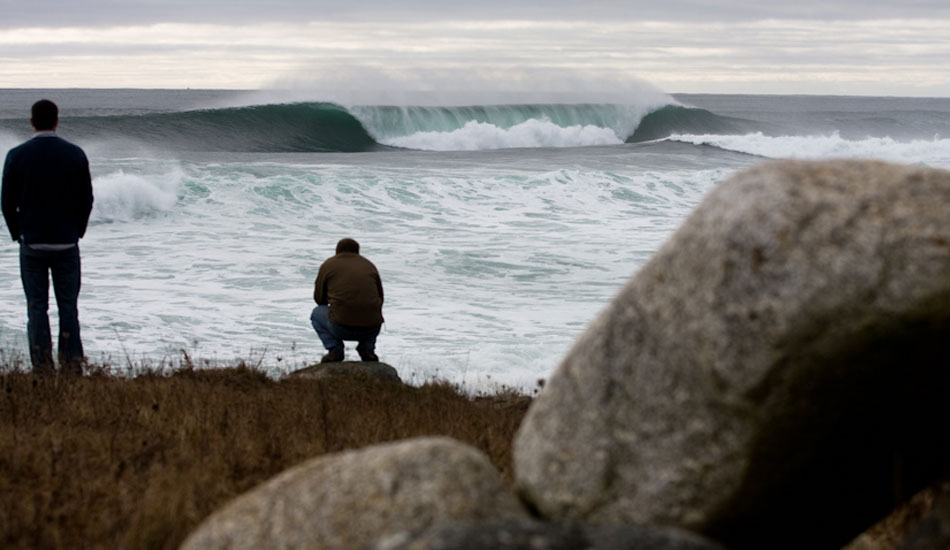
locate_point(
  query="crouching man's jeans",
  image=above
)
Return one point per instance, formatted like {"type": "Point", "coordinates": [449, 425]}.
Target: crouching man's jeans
{"type": "Point", "coordinates": [332, 335]}
{"type": "Point", "coordinates": [35, 268]}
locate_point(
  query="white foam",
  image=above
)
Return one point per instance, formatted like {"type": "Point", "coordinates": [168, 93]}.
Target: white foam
{"type": "Point", "coordinates": [120, 196]}
{"type": "Point", "coordinates": [935, 152]}
{"type": "Point", "coordinates": [476, 136]}
{"type": "Point", "coordinates": [490, 273]}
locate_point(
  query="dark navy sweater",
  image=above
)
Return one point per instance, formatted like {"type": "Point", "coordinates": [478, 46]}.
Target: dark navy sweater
{"type": "Point", "coordinates": [47, 191]}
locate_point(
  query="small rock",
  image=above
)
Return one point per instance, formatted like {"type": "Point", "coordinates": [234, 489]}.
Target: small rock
{"type": "Point", "coordinates": [371, 369]}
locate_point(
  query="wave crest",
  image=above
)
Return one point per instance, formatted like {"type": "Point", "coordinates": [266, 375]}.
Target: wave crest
{"type": "Point", "coordinates": [679, 119]}
{"type": "Point", "coordinates": [477, 136]}
{"type": "Point", "coordinates": [121, 197]}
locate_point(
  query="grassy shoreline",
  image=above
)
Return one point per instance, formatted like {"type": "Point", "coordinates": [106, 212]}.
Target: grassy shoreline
{"type": "Point", "coordinates": [113, 460]}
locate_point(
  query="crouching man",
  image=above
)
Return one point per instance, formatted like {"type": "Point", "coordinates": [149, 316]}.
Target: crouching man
{"type": "Point", "coordinates": [349, 296]}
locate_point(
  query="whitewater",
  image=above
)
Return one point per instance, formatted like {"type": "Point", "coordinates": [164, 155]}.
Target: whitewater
{"type": "Point", "coordinates": [500, 231]}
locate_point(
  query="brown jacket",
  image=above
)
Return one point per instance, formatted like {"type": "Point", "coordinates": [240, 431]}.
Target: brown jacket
{"type": "Point", "coordinates": [350, 285]}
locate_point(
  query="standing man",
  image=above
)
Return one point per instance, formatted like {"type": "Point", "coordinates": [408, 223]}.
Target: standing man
{"type": "Point", "coordinates": [349, 296]}
{"type": "Point", "coordinates": [47, 199]}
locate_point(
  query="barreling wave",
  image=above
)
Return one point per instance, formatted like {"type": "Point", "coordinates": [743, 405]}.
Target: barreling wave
{"type": "Point", "coordinates": [672, 120]}
{"type": "Point", "coordinates": [287, 128]}
{"type": "Point", "coordinates": [500, 126]}
{"type": "Point", "coordinates": [329, 127]}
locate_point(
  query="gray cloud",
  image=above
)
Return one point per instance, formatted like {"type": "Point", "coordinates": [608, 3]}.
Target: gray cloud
{"type": "Point", "coordinates": [58, 13]}
{"type": "Point", "coordinates": [549, 46]}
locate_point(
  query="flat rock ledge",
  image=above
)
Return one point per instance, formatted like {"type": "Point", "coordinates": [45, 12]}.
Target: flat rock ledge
{"type": "Point", "coordinates": [371, 369]}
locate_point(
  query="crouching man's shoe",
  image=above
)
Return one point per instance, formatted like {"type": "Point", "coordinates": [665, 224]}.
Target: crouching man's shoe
{"type": "Point", "coordinates": [334, 355]}
{"type": "Point", "coordinates": [368, 356]}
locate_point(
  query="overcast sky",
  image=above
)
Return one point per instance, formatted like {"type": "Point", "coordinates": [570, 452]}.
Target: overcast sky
{"type": "Point", "coordinates": [870, 47]}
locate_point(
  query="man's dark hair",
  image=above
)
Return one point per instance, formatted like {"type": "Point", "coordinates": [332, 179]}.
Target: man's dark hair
{"type": "Point", "coordinates": [347, 245]}
{"type": "Point", "coordinates": [45, 114]}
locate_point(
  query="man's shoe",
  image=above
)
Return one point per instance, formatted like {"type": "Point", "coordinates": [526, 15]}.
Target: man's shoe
{"type": "Point", "coordinates": [335, 355]}
{"type": "Point", "coordinates": [369, 356]}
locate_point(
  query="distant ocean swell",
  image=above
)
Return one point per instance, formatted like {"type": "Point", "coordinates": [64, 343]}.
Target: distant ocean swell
{"type": "Point", "coordinates": [304, 127]}
{"type": "Point", "coordinates": [933, 152]}
{"type": "Point", "coordinates": [316, 127]}
{"type": "Point", "coordinates": [328, 127]}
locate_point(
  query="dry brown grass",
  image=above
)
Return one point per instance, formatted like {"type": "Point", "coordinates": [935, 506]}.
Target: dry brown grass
{"type": "Point", "coordinates": [110, 461]}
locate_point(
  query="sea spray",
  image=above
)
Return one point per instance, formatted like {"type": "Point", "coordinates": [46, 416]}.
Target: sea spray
{"type": "Point", "coordinates": [120, 196]}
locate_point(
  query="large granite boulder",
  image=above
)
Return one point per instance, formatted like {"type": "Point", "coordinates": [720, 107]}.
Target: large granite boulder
{"type": "Point", "coordinates": [349, 500]}
{"type": "Point", "coordinates": [774, 377]}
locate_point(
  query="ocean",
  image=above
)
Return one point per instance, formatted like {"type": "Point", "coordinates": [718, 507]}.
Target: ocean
{"type": "Point", "coordinates": [500, 230]}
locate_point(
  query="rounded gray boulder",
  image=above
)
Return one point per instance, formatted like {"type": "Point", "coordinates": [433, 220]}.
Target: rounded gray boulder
{"type": "Point", "coordinates": [774, 377]}
{"type": "Point", "coordinates": [349, 500]}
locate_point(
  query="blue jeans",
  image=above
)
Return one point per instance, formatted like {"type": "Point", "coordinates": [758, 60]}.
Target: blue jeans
{"type": "Point", "coordinates": [35, 268]}
{"type": "Point", "coordinates": [332, 335]}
